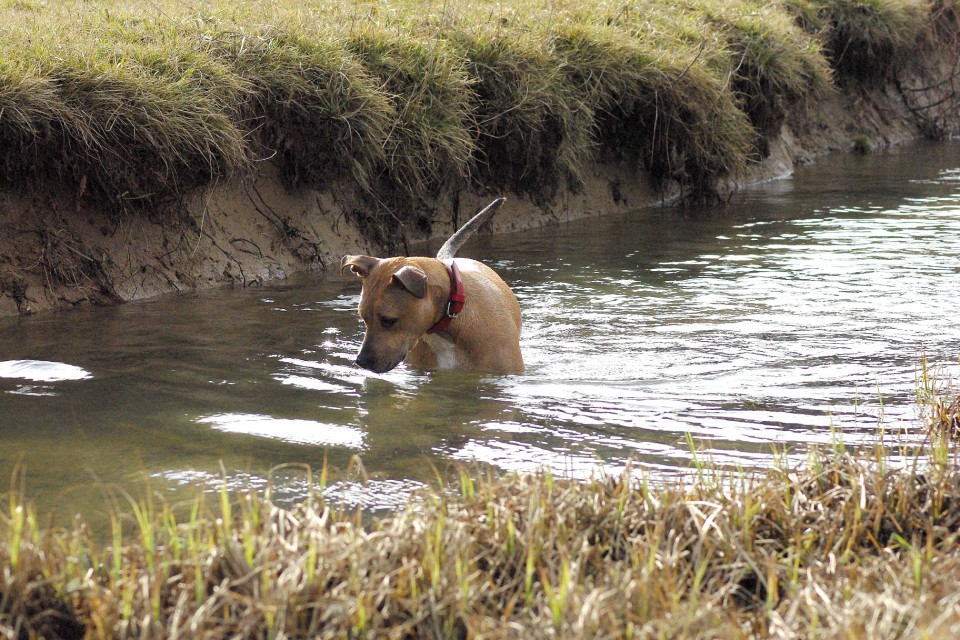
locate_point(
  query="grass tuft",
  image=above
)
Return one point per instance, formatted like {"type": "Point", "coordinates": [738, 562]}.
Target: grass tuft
{"type": "Point", "coordinates": [429, 145]}
{"type": "Point", "coordinates": [776, 65]}
{"type": "Point", "coordinates": [308, 105]}
{"type": "Point", "coordinates": [666, 111]}
{"type": "Point", "coordinates": [866, 40]}
{"type": "Point", "coordinates": [530, 135]}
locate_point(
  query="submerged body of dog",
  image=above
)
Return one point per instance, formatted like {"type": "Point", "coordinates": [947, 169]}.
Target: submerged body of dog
{"type": "Point", "coordinates": [438, 313]}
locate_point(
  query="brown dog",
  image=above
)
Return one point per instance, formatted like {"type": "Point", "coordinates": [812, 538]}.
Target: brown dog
{"type": "Point", "coordinates": [438, 313]}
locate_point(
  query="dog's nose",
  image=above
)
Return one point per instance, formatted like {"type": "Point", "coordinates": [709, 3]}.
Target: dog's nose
{"type": "Point", "coordinates": [365, 360]}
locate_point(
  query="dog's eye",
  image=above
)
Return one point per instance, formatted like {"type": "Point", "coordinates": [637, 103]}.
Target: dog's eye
{"type": "Point", "coordinates": [386, 323]}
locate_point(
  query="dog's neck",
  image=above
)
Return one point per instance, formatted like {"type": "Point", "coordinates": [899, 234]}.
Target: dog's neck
{"type": "Point", "coordinates": [456, 300]}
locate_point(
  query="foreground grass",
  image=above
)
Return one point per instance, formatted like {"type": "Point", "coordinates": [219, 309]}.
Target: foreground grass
{"type": "Point", "coordinates": [848, 545]}
{"type": "Point", "coordinates": [133, 103]}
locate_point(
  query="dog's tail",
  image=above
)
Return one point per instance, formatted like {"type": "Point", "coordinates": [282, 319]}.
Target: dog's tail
{"type": "Point", "coordinates": [451, 246]}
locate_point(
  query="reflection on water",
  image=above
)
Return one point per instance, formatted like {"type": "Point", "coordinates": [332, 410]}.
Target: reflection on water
{"type": "Point", "coordinates": [40, 371]}
{"type": "Point", "coordinates": [801, 308]}
{"type": "Point", "coordinates": [295, 431]}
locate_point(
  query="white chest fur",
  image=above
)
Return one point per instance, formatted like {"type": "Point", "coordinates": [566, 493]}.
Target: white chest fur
{"type": "Point", "coordinates": [444, 350]}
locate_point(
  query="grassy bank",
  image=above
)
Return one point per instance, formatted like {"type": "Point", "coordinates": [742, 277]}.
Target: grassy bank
{"type": "Point", "coordinates": [132, 104]}
{"type": "Point", "coordinates": [848, 544]}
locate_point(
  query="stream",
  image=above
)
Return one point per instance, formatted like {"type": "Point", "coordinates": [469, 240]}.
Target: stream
{"type": "Point", "coordinates": [797, 313]}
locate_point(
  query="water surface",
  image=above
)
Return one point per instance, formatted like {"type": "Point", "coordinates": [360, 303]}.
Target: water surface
{"type": "Point", "coordinates": [801, 308]}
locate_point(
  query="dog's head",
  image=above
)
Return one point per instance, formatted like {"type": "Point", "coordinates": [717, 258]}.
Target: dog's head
{"type": "Point", "coordinates": [395, 306]}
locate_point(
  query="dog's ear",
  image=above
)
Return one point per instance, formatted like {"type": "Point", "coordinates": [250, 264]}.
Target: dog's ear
{"type": "Point", "coordinates": [412, 279]}
{"type": "Point", "coordinates": [360, 265]}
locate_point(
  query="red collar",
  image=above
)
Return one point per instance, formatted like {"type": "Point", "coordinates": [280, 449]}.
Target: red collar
{"type": "Point", "coordinates": [456, 301]}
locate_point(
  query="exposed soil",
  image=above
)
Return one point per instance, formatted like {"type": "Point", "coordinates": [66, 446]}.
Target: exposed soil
{"type": "Point", "coordinates": [58, 251]}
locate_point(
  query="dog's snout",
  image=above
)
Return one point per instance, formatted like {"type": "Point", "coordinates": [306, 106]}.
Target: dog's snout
{"type": "Point", "coordinates": [371, 360]}
{"type": "Point", "coordinates": [365, 360]}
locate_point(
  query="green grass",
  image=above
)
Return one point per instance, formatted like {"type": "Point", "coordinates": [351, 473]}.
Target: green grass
{"type": "Point", "coordinates": [306, 103]}
{"type": "Point", "coordinates": [868, 40]}
{"type": "Point", "coordinates": [131, 105]}
{"type": "Point", "coordinates": [847, 544]}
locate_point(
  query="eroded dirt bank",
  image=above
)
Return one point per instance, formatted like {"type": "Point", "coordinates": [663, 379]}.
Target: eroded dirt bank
{"type": "Point", "coordinates": [58, 251]}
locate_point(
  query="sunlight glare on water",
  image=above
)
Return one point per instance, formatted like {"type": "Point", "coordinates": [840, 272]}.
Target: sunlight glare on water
{"type": "Point", "coordinates": [801, 308]}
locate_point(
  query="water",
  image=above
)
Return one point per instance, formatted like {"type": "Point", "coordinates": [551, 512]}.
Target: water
{"type": "Point", "coordinates": [801, 308]}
